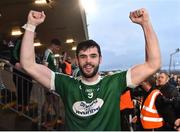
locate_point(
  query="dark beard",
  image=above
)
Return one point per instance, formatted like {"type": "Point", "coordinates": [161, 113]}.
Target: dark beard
{"type": "Point", "coordinates": [89, 75]}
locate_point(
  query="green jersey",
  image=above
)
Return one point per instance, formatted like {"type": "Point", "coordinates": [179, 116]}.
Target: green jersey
{"type": "Point", "coordinates": [50, 59]}
{"type": "Point", "coordinates": [92, 106]}
{"type": "Point", "coordinates": [16, 50]}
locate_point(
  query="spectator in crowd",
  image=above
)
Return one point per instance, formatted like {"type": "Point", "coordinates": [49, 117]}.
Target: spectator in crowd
{"type": "Point", "coordinates": [137, 95]}
{"type": "Point", "coordinates": [157, 113]}
{"type": "Point", "coordinates": [49, 58]}
{"type": "Point", "coordinates": [127, 110]}
{"type": "Point", "coordinates": [75, 70]}
{"type": "Point", "coordinates": [173, 80]}
{"type": "Point", "coordinates": [22, 81]}
{"type": "Point", "coordinates": [178, 83]}
{"type": "Point", "coordinates": [168, 90]}
{"type": "Point", "coordinates": [88, 100]}
{"type": "Point", "coordinates": [51, 100]}
{"type": "Point", "coordinates": [65, 64]}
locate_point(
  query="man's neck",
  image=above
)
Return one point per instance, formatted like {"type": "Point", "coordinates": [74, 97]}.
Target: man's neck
{"type": "Point", "coordinates": [91, 81]}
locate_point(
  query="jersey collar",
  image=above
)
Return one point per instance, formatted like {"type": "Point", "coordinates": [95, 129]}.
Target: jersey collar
{"type": "Point", "coordinates": [91, 83]}
{"type": "Point", "coordinates": [50, 50]}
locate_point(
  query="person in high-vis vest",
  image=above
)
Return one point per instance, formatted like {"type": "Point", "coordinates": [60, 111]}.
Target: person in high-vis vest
{"type": "Point", "coordinates": [150, 118]}
{"type": "Point", "coordinates": [65, 64]}
{"type": "Point", "coordinates": [127, 111]}
{"type": "Point", "coordinates": [156, 112]}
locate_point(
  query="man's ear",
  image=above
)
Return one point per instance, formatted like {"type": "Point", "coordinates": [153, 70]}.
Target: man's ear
{"type": "Point", "coordinates": [100, 59]}
{"type": "Point", "coordinates": [167, 80]}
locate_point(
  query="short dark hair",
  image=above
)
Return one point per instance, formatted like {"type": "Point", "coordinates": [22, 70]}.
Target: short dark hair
{"type": "Point", "coordinates": [56, 42]}
{"type": "Point", "coordinates": [151, 80]}
{"type": "Point", "coordinates": [84, 45]}
{"type": "Point", "coordinates": [166, 73]}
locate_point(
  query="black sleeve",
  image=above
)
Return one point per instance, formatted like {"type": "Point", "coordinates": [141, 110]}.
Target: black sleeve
{"type": "Point", "coordinates": [165, 109]}
{"type": "Point", "coordinates": [13, 61]}
{"type": "Point", "coordinates": [62, 65]}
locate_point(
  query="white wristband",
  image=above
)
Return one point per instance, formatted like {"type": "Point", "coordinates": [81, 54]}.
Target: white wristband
{"type": "Point", "coordinates": [29, 27]}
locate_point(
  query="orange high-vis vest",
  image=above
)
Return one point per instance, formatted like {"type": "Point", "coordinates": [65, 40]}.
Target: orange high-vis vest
{"type": "Point", "coordinates": [68, 68]}
{"type": "Point", "coordinates": [149, 115]}
{"type": "Point", "coordinates": [126, 101]}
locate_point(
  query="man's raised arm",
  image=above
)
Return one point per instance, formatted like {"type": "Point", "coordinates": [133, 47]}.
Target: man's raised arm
{"type": "Point", "coordinates": [153, 58]}
{"type": "Point", "coordinates": [27, 55]}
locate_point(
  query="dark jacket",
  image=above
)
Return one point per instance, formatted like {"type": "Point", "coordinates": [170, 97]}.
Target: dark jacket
{"type": "Point", "coordinates": [169, 91]}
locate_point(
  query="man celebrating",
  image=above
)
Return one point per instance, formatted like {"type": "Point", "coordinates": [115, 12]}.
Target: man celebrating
{"type": "Point", "coordinates": [49, 59]}
{"type": "Point", "coordinates": [92, 102]}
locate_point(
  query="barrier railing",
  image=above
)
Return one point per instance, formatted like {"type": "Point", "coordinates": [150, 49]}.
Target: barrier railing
{"type": "Point", "coordinates": [22, 94]}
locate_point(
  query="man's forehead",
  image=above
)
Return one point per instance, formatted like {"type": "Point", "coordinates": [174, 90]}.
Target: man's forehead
{"type": "Point", "coordinates": [164, 75]}
{"type": "Point", "coordinates": [56, 46]}
{"type": "Point", "coordinates": [92, 50]}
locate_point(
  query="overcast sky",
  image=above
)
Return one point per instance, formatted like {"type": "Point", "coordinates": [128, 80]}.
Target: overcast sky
{"type": "Point", "coordinates": [122, 42]}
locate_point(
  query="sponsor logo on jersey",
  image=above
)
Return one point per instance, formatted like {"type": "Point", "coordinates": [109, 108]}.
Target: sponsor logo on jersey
{"type": "Point", "coordinates": [83, 109]}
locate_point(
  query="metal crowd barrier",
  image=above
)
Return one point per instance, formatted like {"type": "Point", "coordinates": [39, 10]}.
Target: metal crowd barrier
{"type": "Point", "coordinates": [28, 98]}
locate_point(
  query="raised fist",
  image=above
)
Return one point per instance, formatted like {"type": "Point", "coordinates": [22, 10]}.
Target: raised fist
{"type": "Point", "coordinates": [139, 16]}
{"type": "Point", "coordinates": [35, 18]}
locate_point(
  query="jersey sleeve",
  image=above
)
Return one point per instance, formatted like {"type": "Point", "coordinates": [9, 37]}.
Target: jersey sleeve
{"type": "Point", "coordinates": [52, 81]}
{"type": "Point", "coordinates": [128, 80]}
